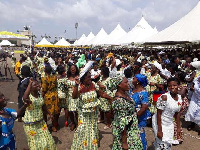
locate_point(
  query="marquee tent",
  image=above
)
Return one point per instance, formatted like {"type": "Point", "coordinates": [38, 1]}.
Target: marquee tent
{"type": "Point", "coordinates": [139, 33]}
{"type": "Point", "coordinates": [44, 43]}
{"type": "Point", "coordinates": [98, 38]}
{"type": "Point", "coordinates": [5, 35]}
{"type": "Point", "coordinates": [62, 42]}
{"type": "Point", "coordinates": [186, 29]}
{"type": "Point", "coordinates": [6, 43]}
{"type": "Point", "coordinates": [87, 39]}
{"type": "Point", "coordinates": [116, 34]}
{"type": "Point", "coordinates": [82, 38]}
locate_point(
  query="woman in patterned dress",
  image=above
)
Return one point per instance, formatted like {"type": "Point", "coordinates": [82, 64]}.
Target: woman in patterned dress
{"type": "Point", "coordinates": [49, 92]}
{"type": "Point", "coordinates": [72, 73]}
{"type": "Point", "coordinates": [105, 106]}
{"type": "Point", "coordinates": [168, 107]}
{"type": "Point", "coordinates": [141, 99]}
{"type": "Point", "coordinates": [86, 135]}
{"type": "Point", "coordinates": [125, 124]}
{"type": "Point", "coordinates": [62, 91]}
{"type": "Point", "coordinates": [155, 84]}
{"type": "Point", "coordinates": [37, 133]}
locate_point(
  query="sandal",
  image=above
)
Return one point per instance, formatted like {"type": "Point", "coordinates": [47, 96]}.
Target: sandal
{"type": "Point", "coordinates": [100, 121]}
{"type": "Point", "coordinates": [107, 127]}
{"type": "Point", "coordinates": [73, 127]}
{"type": "Point", "coordinates": [54, 129]}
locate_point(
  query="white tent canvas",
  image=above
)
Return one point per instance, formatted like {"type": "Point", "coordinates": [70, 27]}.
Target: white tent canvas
{"type": "Point", "coordinates": [185, 29]}
{"type": "Point", "coordinates": [98, 38]}
{"type": "Point", "coordinates": [44, 42]}
{"type": "Point", "coordinates": [87, 39]}
{"type": "Point", "coordinates": [6, 43]}
{"type": "Point", "coordinates": [116, 34]}
{"type": "Point", "coordinates": [139, 33]}
{"type": "Point", "coordinates": [82, 38]}
{"type": "Point", "coordinates": [62, 42]}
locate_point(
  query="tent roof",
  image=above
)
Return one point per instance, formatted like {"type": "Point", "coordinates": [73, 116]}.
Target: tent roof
{"type": "Point", "coordinates": [44, 42]}
{"type": "Point", "coordinates": [98, 38]}
{"type": "Point", "coordinates": [87, 39]}
{"type": "Point", "coordinates": [62, 42]}
{"type": "Point", "coordinates": [185, 29]}
{"type": "Point", "coordinates": [12, 36]}
{"type": "Point", "coordinates": [116, 34]}
{"type": "Point", "coordinates": [139, 33]}
{"type": "Point", "coordinates": [5, 42]}
{"type": "Point", "coordinates": [82, 38]}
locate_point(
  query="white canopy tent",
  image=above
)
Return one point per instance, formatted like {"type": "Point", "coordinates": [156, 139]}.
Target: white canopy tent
{"type": "Point", "coordinates": [44, 42]}
{"type": "Point", "coordinates": [185, 29]}
{"type": "Point", "coordinates": [82, 38]}
{"type": "Point", "coordinates": [98, 38]}
{"type": "Point", "coordinates": [116, 34]}
{"type": "Point", "coordinates": [87, 39]}
{"type": "Point", "coordinates": [139, 33]}
{"type": "Point", "coordinates": [62, 42]}
{"type": "Point", "coordinates": [6, 43]}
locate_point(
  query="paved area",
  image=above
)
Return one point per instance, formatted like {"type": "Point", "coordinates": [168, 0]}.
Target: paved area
{"type": "Point", "coordinates": [64, 136]}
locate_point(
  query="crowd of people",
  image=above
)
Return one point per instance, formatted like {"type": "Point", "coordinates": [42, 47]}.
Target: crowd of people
{"type": "Point", "coordinates": [127, 89]}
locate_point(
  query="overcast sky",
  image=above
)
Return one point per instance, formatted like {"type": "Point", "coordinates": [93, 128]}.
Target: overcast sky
{"type": "Point", "coordinates": [53, 17]}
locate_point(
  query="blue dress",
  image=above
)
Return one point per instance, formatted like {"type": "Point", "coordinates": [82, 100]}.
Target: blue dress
{"type": "Point", "coordinates": [7, 138]}
{"type": "Point", "coordinates": [139, 99]}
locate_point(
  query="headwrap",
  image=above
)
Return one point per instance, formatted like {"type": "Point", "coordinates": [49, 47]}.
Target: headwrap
{"type": "Point", "coordinates": [110, 55]}
{"type": "Point", "coordinates": [87, 67]}
{"type": "Point", "coordinates": [142, 79]}
{"type": "Point", "coordinates": [114, 82]}
{"type": "Point", "coordinates": [81, 61]}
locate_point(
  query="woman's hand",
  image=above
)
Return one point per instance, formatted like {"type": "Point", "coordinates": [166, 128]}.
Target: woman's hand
{"type": "Point", "coordinates": [51, 117]}
{"type": "Point", "coordinates": [160, 135]}
{"type": "Point", "coordinates": [27, 102]}
{"type": "Point", "coordinates": [31, 80]}
{"type": "Point", "coordinates": [77, 80]}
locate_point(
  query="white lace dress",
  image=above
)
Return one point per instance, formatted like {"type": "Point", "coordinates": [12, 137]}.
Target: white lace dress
{"type": "Point", "coordinates": [193, 113]}
{"type": "Point", "coordinates": [169, 108]}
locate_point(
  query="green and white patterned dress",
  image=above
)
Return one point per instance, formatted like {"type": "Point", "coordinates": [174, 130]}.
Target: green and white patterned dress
{"type": "Point", "coordinates": [37, 133]}
{"type": "Point", "coordinates": [86, 136]}
{"type": "Point", "coordinates": [62, 93]}
{"type": "Point", "coordinates": [72, 103]}
{"type": "Point", "coordinates": [105, 106]}
{"type": "Point", "coordinates": [125, 117]}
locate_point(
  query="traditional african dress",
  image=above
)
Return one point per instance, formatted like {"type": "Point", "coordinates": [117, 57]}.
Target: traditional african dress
{"type": "Point", "coordinates": [184, 107]}
{"type": "Point", "coordinates": [169, 108]}
{"type": "Point", "coordinates": [7, 138]}
{"type": "Point", "coordinates": [141, 98]}
{"type": "Point", "coordinates": [49, 87]}
{"type": "Point", "coordinates": [38, 135]}
{"type": "Point", "coordinates": [72, 103]}
{"type": "Point", "coordinates": [151, 89]}
{"type": "Point", "coordinates": [86, 135]}
{"type": "Point", "coordinates": [62, 93]}
{"type": "Point", "coordinates": [193, 113]}
{"type": "Point", "coordinates": [105, 105]}
{"type": "Point", "coordinates": [125, 117]}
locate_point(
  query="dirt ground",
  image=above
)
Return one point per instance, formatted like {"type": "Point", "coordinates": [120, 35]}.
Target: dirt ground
{"type": "Point", "coordinates": [64, 136]}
